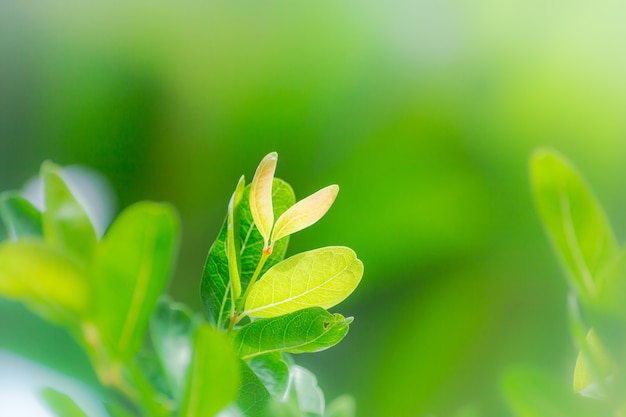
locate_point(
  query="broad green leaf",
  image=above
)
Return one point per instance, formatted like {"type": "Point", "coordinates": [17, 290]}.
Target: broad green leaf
{"type": "Point", "coordinates": [574, 220]}
{"type": "Point", "coordinates": [215, 278]}
{"type": "Point", "coordinates": [65, 223]}
{"type": "Point", "coordinates": [585, 375]}
{"type": "Point", "coordinates": [342, 406]}
{"type": "Point", "coordinates": [233, 240]}
{"type": "Point", "coordinates": [21, 219]}
{"type": "Point", "coordinates": [171, 334]}
{"type": "Point", "coordinates": [305, 212]}
{"type": "Point", "coordinates": [319, 278]}
{"type": "Point", "coordinates": [45, 278]}
{"type": "Point", "coordinates": [145, 375]}
{"type": "Point", "coordinates": [273, 372]}
{"type": "Point", "coordinates": [533, 393]}
{"type": "Point", "coordinates": [213, 378]}
{"type": "Point", "coordinates": [303, 387]}
{"type": "Point", "coordinates": [253, 397]}
{"type": "Point", "coordinates": [308, 330]}
{"type": "Point", "coordinates": [61, 404]}
{"type": "Point", "coordinates": [131, 270]}
{"type": "Point", "coordinates": [261, 196]}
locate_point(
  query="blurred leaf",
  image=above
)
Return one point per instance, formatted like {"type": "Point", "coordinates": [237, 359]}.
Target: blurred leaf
{"type": "Point", "coordinates": [272, 371]}
{"type": "Point", "coordinates": [19, 216]}
{"type": "Point", "coordinates": [533, 393]}
{"type": "Point", "coordinates": [215, 279]}
{"type": "Point", "coordinates": [261, 196]}
{"type": "Point", "coordinates": [233, 240]}
{"type": "Point", "coordinates": [585, 375]}
{"type": "Point", "coordinates": [323, 277]}
{"type": "Point", "coordinates": [308, 330]}
{"type": "Point", "coordinates": [342, 406]}
{"type": "Point", "coordinates": [305, 212]}
{"type": "Point", "coordinates": [213, 378]}
{"type": "Point", "coordinates": [61, 404]}
{"type": "Point", "coordinates": [45, 279]}
{"type": "Point", "coordinates": [303, 387]}
{"type": "Point", "coordinates": [574, 220]}
{"type": "Point", "coordinates": [171, 331]}
{"type": "Point", "coordinates": [253, 398]}
{"type": "Point", "coordinates": [65, 222]}
{"type": "Point", "coordinates": [131, 270]}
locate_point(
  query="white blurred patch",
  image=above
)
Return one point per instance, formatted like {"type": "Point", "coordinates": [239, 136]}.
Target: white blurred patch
{"type": "Point", "coordinates": [21, 382]}
{"type": "Point", "coordinates": [91, 189]}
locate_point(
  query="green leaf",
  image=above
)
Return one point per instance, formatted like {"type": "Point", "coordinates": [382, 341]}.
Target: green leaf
{"type": "Point", "coordinates": [273, 372]}
{"type": "Point", "coordinates": [65, 222]}
{"type": "Point", "coordinates": [213, 378]}
{"type": "Point", "coordinates": [303, 387]}
{"type": "Point", "coordinates": [61, 404]}
{"type": "Point", "coordinates": [342, 406]}
{"type": "Point", "coordinates": [21, 219]}
{"type": "Point", "coordinates": [215, 278]}
{"type": "Point", "coordinates": [45, 278]}
{"type": "Point", "coordinates": [305, 212]}
{"type": "Point", "coordinates": [253, 397]}
{"type": "Point", "coordinates": [261, 196]}
{"type": "Point", "coordinates": [233, 246]}
{"type": "Point", "coordinates": [131, 270]}
{"type": "Point", "coordinates": [323, 277]}
{"type": "Point", "coordinates": [171, 334]}
{"type": "Point", "coordinates": [574, 220]}
{"type": "Point", "coordinates": [308, 330]}
{"type": "Point", "coordinates": [586, 374]}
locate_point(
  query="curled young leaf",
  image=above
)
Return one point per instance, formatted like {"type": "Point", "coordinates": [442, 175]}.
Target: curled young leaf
{"type": "Point", "coordinates": [319, 278]}
{"type": "Point", "coordinates": [305, 212]}
{"type": "Point", "coordinates": [233, 239]}
{"type": "Point", "coordinates": [261, 196]}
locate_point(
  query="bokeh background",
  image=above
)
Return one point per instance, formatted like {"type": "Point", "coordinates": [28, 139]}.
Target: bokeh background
{"type": "Point", "coordinates": [424, 111]}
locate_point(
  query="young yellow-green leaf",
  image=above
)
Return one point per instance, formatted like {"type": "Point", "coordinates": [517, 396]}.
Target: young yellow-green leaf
{"type": "Point", "coordinates": [215, 277]}
{"type": "Point", "coordinates": [19, 216]}
{"type": "Point", "coordinates": [574, 220]}
{"type": "Point", "coordinates": [49, 281]}
{"type": "Point", "coordinates": [131, 270]}
{"type": "Point", "coordinates": [61, 404]}
{"type": "Point", "coordinates": [233, 245]}
{"type": "Point", "coordinates": [65, 222]}
{"type": "Point", "coordinates": [213, 378]}
{"type": "Point", "coordinates": [261, 196]}
{"type": "Point", "coordinates": [305, 212]}
{"type": "Point", "coordinates": [308, 330]}
{"type": "Point", "coordinates": [585, 378]}
{"type": "Point", "coordinates": [319, 278]}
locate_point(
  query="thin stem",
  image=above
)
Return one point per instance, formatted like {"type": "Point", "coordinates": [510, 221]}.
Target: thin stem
{"type": "Point", "coordinates": [242, 301]}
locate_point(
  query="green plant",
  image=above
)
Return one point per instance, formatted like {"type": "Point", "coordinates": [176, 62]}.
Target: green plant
{"type": "Point", "coordinates": [594, 263]}
{"type": "Point", "coordinates": [152, 355]}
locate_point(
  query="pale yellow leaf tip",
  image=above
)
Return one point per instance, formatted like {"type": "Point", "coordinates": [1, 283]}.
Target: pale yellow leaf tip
{"type": "Point", "coordinates": [305, 212]}
{"type": "Point", "coordinates": [261, 196]}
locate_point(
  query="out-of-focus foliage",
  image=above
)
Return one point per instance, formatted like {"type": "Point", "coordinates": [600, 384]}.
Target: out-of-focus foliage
{"type": "Point", "coordinates": [424, 111]}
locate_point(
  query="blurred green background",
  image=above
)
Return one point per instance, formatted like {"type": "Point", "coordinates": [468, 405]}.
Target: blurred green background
{"type": "Point", "coordinates": [424, 112]}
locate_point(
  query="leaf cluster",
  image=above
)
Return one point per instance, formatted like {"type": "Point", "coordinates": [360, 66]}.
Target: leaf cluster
{"type": "Point", "coordinates": [594, 263]}
{"type": "Point", "coordinates": [153, 356]}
